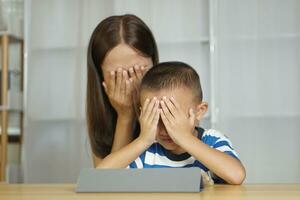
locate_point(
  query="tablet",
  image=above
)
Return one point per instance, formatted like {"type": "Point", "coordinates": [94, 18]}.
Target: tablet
{"type": "Point", "coordinates": [140, 180]}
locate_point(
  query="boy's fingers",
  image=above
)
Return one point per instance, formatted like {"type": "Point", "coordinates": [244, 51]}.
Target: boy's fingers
{"type": "Point", "coordinates": [155, 119]}
{"type": "Point", "coordinates": [177, 106]}
{"type": "Point", "coordinates": [175, 103]}
{"type": "Point", "coordinates": [154, 111]}
{"type": "Point", "coordinates": [166, 111]}
{"type": "Point", "coordinates": [145, 106]}
{"type": "Point", "coordinates": [164, 118]}
{"type": "Point", "coordinates": [170, 106]}
{"type": "Point", "coordinates": [150, 107]}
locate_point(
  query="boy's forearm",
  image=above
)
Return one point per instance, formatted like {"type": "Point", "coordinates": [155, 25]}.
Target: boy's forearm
{"type": "Point", "coordinates": [223, 165]}
{"type": "Point", "coordinates": [124, 156]}
{"type": "Point", "coordinates": [123, 132]}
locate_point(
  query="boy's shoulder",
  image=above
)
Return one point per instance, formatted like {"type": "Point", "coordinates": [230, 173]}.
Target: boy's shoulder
{"type": "Point", "coordinates": [212, 136]}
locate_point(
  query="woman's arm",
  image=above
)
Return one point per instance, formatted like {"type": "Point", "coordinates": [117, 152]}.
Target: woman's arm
{"type": "Point", "coordinates": [126, 155]}
{"type": "Point", "coordinates": [148, 119]}
{"type": "Point", "coordinates": [123, 134]}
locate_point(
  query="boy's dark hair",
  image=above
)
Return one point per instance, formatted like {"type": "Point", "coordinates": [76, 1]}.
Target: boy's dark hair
{"type": "Point", "coordinates": [171, 75]}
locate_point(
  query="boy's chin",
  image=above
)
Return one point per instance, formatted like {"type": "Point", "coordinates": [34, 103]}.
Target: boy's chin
{"type": "Point", "coordinates": [170, 145]}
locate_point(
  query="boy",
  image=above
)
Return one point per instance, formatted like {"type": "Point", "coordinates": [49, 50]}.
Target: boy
{"type": "Point", "coordinates": [172, 107]}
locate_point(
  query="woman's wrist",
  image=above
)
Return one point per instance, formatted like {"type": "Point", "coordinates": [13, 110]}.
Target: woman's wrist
{"type": "Point", "coordinates": [126, 117]}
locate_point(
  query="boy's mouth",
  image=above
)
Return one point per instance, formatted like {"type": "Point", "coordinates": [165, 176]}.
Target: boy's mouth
{"type": "Point", "coordinates": [166, 139]}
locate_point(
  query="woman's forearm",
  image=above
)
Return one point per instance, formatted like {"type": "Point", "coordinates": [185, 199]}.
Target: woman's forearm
{"type": "Point", "coordinates": [124, 156]}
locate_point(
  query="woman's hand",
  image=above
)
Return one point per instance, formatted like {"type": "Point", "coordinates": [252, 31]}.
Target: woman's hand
{"type": "Point", "coordinates": [176, 121]}
{"type": "Point", "coordinates": [121, 89]}
{"type": "Point", "coordinates": [136, 74]}
{"type": "Point", "coordinates": [149, 120]}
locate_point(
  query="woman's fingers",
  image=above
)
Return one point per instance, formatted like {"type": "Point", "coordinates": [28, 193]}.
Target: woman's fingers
{"type": "Point", "coordinates": [111, 83]}
{"type": "Point", "coordinates": [118, 81]}
{"type": "Point", "coordinates": [105, 87]}
{"type": "Point", "coordinates": [138, 72]}
{"type": "Point", "coordinates": [131, 72]}
{"type": "Point", "coordinates": [123, 83]}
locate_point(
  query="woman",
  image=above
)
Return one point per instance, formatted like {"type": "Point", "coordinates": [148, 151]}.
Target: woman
{"type": "Point", "coordinates": [120, 50]}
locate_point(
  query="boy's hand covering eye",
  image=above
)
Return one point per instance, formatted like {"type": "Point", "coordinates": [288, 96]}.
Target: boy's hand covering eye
{"type": "Point", "coordinates": [149, 118]}
{"type": "Point", "coordinates": [177, 123]}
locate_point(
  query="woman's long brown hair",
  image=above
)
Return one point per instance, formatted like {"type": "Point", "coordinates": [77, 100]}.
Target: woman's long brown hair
{"type": "Point", "coordinates": [101, 116]}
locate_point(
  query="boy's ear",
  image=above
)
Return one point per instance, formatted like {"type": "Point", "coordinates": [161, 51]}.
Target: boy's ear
{"type": "Point", "coordinates": [201, 109]}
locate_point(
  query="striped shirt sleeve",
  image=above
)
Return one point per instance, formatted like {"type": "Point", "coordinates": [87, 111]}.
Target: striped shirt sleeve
{"type": "Point", "coordinates": [219, 141]}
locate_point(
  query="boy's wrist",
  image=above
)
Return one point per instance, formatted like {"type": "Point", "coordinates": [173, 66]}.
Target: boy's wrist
{"type": "Point", "coordinates": [185, 140]}
{"type": "Point", "coordinates": [144, 141]}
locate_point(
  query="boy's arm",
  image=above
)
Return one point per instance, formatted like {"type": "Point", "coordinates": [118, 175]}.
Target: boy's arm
{"type": "Point", "coordinates": [180, 128]}
{"type": "Point", "coordinates": [148, 120]}
{"type": "Point", "coordinates": [225, 166]}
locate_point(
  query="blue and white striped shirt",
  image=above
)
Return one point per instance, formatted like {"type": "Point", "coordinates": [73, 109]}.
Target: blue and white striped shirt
{"type": "Point", "coordinates": [156, 156]}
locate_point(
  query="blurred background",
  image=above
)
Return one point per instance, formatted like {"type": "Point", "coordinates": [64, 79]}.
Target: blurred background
{"type": "Point", "coordinates": [247, 53]}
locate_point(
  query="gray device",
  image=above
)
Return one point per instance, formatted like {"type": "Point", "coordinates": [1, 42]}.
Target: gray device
{"type": "Point", "coordinates": [140, 180]}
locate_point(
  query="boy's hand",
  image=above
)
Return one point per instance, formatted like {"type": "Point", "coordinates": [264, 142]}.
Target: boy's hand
{"type": "Point", "coordinates": [177, 123]}
{"type": "Point", "coordinates": [149, 118]}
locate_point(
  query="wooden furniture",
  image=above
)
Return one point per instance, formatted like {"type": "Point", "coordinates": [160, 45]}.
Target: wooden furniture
{"type": "Point", "coordinates": [6, 39]}
{"type": "Point", "coordinates": [216, 192]}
